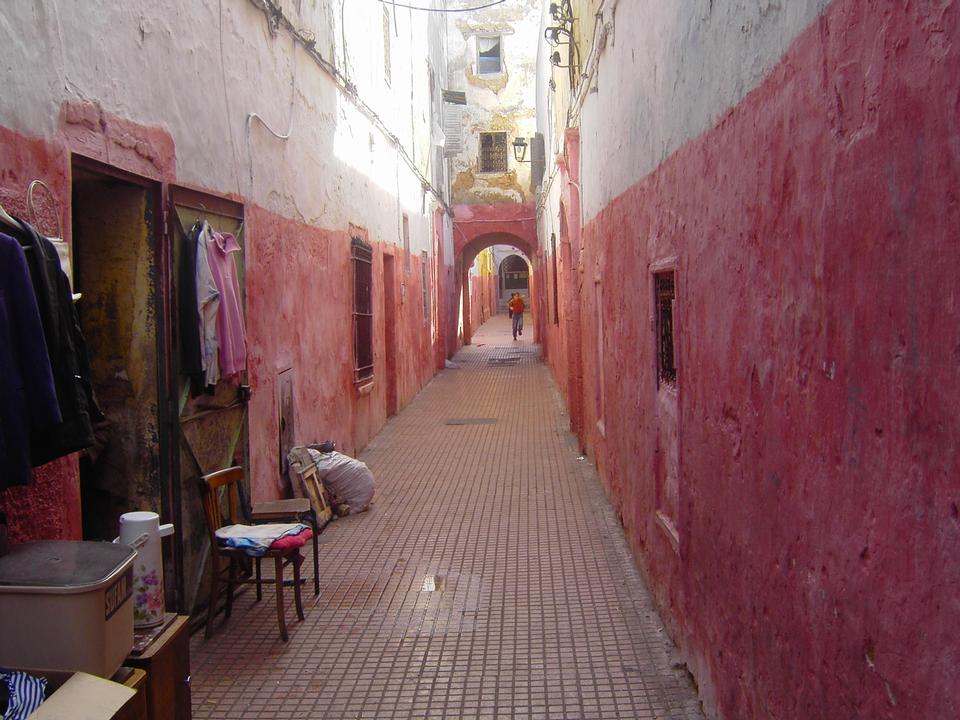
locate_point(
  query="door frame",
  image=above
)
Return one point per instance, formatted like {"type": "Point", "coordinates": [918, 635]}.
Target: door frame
{"type": "Point", "coordinates": [162, 306]}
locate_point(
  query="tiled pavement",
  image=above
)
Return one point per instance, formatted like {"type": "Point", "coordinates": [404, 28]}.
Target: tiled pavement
{"type": "Point", "coordinates": [490, 579]}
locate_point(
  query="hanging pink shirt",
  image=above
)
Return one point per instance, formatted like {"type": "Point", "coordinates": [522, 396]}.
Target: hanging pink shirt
{"type": "Point", "coordinates": [230, 331]}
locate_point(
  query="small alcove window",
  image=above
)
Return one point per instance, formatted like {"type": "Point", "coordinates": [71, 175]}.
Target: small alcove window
{"type": "Point", "coordinates": [664, 289]}
{"type": "Point", "coordinates": [361, 256]}
{"type": "Point", "coordinates": [489, 57]}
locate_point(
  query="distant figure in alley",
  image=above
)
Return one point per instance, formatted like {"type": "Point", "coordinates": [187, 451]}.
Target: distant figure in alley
{"type": "Point", "coordinates": [516, 307]}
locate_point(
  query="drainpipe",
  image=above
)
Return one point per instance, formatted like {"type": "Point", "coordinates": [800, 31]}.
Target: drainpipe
{"type": "Point", "coordinates": [571, 246]}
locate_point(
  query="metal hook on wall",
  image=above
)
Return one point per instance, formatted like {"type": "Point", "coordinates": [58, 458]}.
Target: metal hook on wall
{"type": "Point", "coordinates": [53, 200]}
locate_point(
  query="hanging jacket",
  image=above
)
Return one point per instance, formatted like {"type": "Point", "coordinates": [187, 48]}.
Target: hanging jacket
{"type": "Point", "coordinates": [231, 336]}
{"type": "Point", "coordinates": [28, 400]}
{"type": "Point", "coordinates": [188, 316]}
{"type": "Point", "coordinates": [208, 305]}
{"type": "Point", "coordinates": [67, 349]}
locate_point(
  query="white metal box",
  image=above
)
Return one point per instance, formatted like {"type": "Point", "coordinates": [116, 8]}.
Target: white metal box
{"type": "Point", "coordinates": [66, 606]}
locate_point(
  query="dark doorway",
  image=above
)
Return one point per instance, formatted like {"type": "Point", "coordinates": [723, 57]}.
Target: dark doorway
{"type": "Point", "coordinates": [514, 276]}
{"type": "Point", "coordinates": [115, 259]}
{"type": "Point", "coordinates": [390, 333]}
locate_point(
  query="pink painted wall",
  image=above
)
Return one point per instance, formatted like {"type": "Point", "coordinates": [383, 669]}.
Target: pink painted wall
{"type": "Point", "coordinates": [818, 342]}
{"type": "Point", "coordinates": [483, 299]}
{"type": "Point", "coordinates": [298, 313]}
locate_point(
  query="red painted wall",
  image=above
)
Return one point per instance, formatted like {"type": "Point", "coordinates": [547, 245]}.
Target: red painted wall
{"type": "Point", "coordinates": [483, 299]}
{"type": "Point", "coordinates": [818, 337]}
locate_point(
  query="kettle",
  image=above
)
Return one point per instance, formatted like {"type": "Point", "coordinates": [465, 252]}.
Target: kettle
{"type": "Point", "coordinates": [142, 531]}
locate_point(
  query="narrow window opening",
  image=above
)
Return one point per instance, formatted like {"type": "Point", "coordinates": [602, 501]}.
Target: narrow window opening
{"type": "Point", "coordinates": [361, 256]}
{"type": "Point", "coordinates": [406, 244]}
{"type": "Point", "coordinates": [493, 152]}
{"type": "Point", "coordinates": [601, 360]}
{"type": "Point", "coordinates": [556, 289]}
{"type": "Point", "coordinates": [664, 287]}
{"type": "Point", "coordinates": [424, 287]}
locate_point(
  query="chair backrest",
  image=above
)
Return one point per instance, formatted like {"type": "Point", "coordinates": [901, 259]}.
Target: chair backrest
{"type": "Point", "coordinates": [312, 487]}
{"type": "Point", "coordinates": [211, 494]}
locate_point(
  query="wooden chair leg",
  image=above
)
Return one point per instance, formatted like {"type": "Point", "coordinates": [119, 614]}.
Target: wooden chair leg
{"type": "Point", "coordinates": [316, 555]}
{"type": "Point", "coordinates": [214, 588]}
{"type": "Point", "coordinates": [231, 583]}
{"type": "Point", "coordinates": [278, 572]}
{"type": "Point", "coordinates": [297, 562]}
{"type": "Point", "coordinates": [259, 580]}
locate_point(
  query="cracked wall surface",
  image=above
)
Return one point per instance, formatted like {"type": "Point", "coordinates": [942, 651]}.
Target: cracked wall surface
{"type": "Point", "coordinates": [495, 103]}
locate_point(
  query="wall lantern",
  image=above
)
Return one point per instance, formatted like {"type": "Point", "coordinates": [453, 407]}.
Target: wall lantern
{"type": "Point", "coordinates": [561, 33]}
{"type": "Point", "coordinates": [520, 149]}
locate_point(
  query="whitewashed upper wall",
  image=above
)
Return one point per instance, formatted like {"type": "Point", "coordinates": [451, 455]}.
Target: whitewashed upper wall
{"type": "Point", "coordinates": [670, 70]}
{"type": "Point", "coordinates": [199, 68]}
{"type": "Point", "coordinates": [506, 104]}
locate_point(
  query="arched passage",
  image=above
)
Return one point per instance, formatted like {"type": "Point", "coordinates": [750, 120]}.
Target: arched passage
{"type": "Point", "coordinates": [477, 227]}
{"type": "Point", "coordinates": [524, 254]}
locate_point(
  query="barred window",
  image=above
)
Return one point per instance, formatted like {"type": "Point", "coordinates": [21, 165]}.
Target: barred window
{"type": "Point", "coordinates": [361, 257]}
{"type": "Point", "coordinates": [665, 296]}
{"type": "Point", "coordinates": [493, 152]}
{"type": "Point", "coordinates": [424, 284]}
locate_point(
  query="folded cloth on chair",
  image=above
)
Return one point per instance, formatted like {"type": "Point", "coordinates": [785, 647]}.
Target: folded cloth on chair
{"type": "Point", "coordinates": [255, 540]}
{"type": "Point", "coordinates": [292, 541]}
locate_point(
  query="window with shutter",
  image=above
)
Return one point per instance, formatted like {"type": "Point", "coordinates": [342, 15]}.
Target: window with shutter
{"type": "Point", "coordinates": [452, 122]}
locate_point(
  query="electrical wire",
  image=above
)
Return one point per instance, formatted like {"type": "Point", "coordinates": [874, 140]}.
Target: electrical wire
{"type": "Point", "coordinates": [444, 10]}
{"type": "Point", "coordinates": [256, 116]}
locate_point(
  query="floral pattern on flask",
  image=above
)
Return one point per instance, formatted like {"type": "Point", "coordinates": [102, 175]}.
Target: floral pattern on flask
{"type": "Point", "coordinates": [148, 602]}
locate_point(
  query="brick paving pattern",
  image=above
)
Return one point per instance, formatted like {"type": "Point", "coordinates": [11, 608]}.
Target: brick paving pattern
{"type": "Point", "coordinates": [490, 579]}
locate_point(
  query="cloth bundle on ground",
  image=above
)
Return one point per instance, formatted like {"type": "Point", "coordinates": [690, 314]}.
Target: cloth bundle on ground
{"type": "Point", "coordinates": [21, 694]}
{"type": "Point", "coordinates": [255, 540]}
{"type": "Point", "coordinates": [348, 482]}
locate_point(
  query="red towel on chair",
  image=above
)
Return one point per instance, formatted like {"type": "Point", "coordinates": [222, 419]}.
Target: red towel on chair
{"type": "Point", "coordinates": [292, 541]}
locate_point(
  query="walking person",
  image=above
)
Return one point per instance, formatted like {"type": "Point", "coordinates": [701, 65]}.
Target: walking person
{"type": "Point", "coordinates": [516, 308]}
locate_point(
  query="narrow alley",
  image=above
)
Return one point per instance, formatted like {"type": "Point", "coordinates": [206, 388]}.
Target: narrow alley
{"type": "Point", "coordinates": [717, 476]}
{"type": "Point", "coordinates": [489, 580]}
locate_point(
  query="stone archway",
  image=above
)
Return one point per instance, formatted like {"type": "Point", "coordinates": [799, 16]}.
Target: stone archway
{"type": "Point", "coordinates": [477, 227]}
{"type": "Point", "coordinates": [524, 252]}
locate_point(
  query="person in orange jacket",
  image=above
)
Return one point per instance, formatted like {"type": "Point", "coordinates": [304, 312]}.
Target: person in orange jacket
{"type": "Point", "coordinates": [516, 308]}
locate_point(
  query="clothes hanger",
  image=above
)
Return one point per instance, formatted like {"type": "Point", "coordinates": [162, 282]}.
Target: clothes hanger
{"type": "Point", "coordinates": [33, 210]}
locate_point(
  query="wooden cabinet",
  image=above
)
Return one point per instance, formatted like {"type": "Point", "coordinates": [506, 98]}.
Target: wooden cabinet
{"type": "Point", "coordinates": [166, 660]}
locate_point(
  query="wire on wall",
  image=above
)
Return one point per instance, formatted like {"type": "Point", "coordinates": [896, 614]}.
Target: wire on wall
{"type": "Point", "coordinates": [444, 10]}
{"type": "Point", "coordinates": [255, 116]}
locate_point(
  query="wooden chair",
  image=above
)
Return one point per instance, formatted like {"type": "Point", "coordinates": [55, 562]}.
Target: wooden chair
{"type": "Point", "coordinates": [307, 482]}
{"type": "Point", "coordinates": [291, 510]}
{"type": "Point", "coordinates": [311, 508]}
{"type": "Point", "coordinates": [229, 480]}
